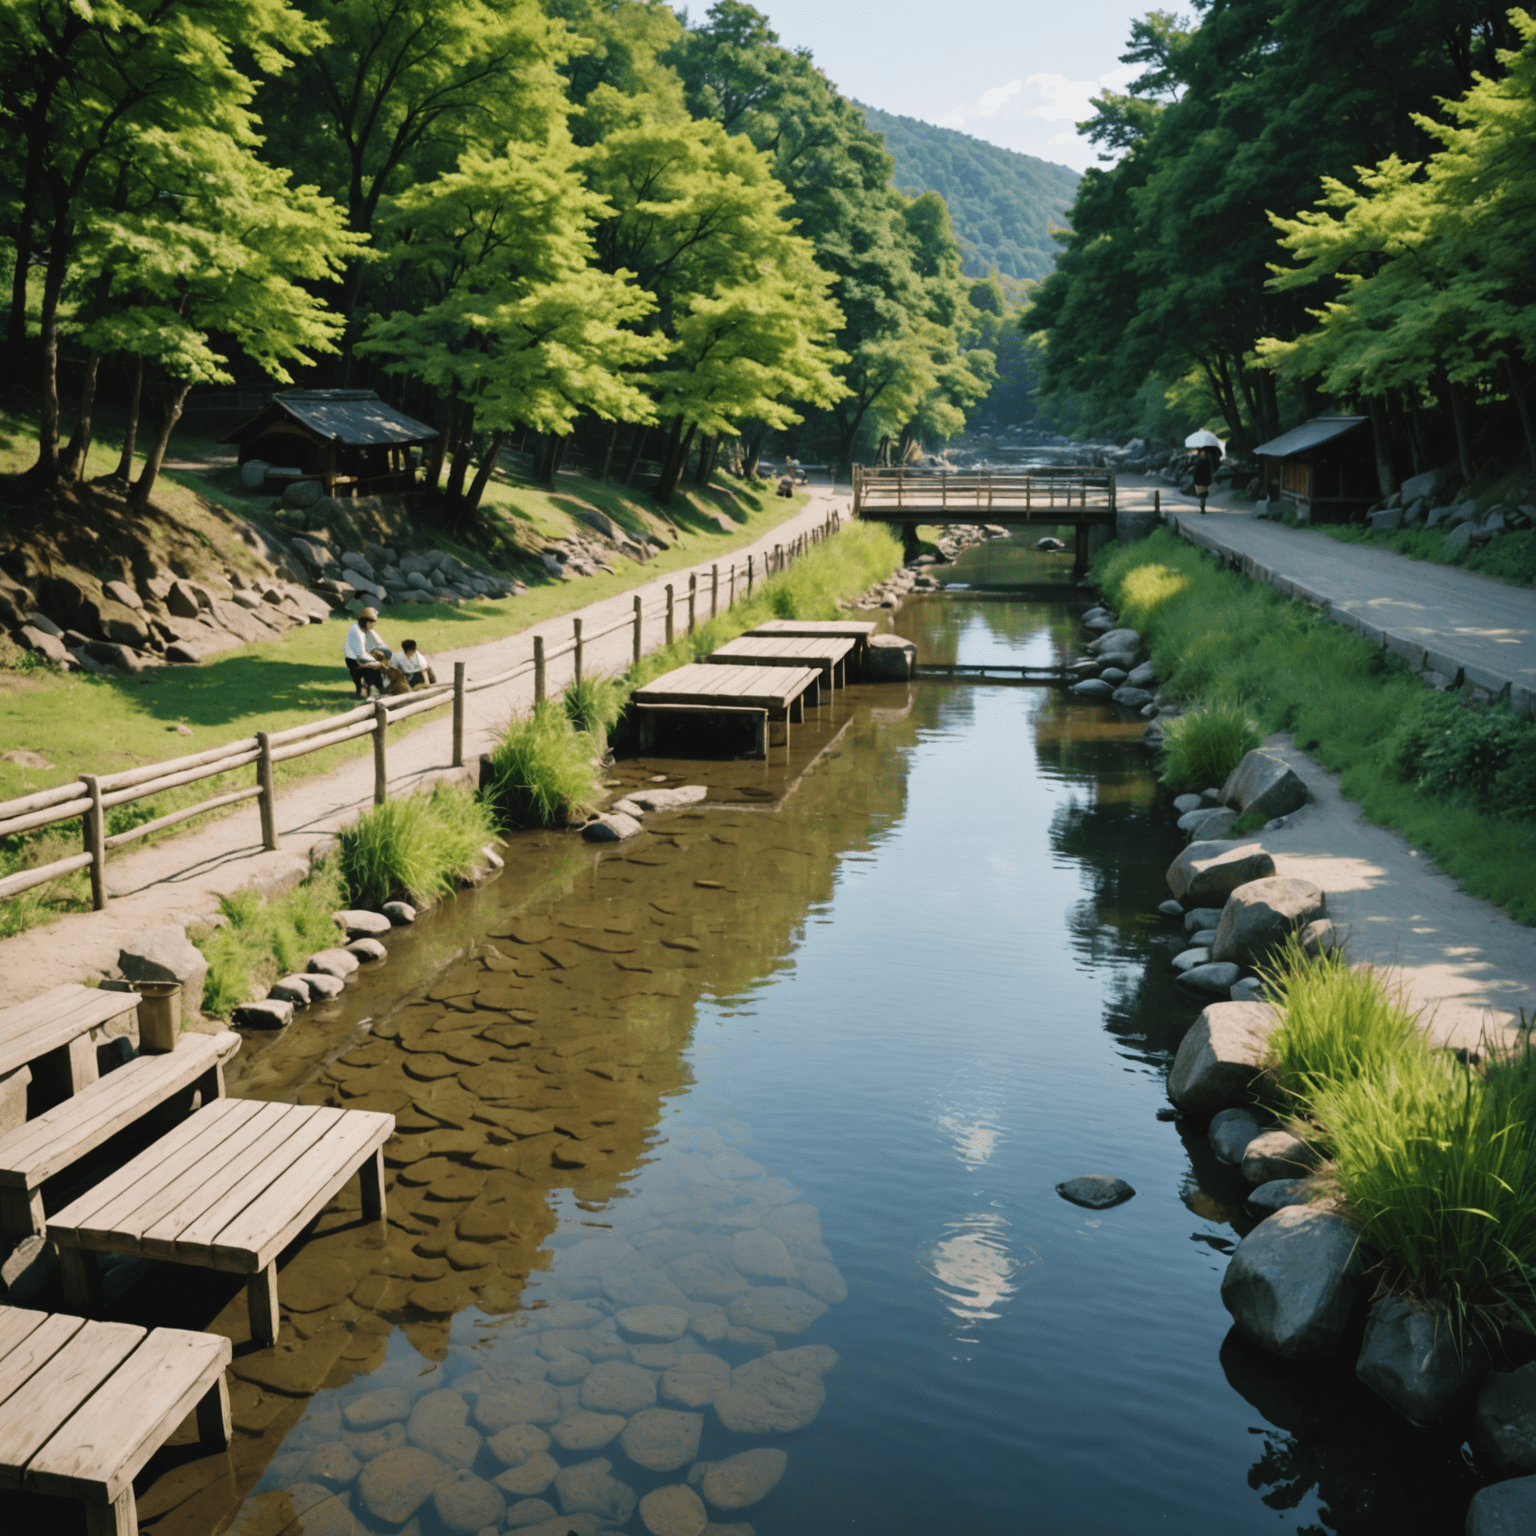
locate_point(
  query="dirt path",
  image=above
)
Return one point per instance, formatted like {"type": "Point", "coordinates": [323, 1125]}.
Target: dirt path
{"type": "Point", "coordinates": [1455, 621]}
{"type": "Point", "coordinates": [182, 879]}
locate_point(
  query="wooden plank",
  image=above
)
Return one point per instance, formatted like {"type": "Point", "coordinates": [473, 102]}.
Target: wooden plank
{"type": "Point", "coordinates": [33, 1029]}
{"type": "Point", "coordinates": [188, 1234]}
{"type": "Point", "coordinates": [768, 687]}
{"type": "Point", "coordinates": [53, 1140]}
{"type": "Point", "coordinates": [19, 1014]}
{"type": "Point", "coordinates": [187, 1146]}
{"type": "Point", "coordinates": [15, 1324]}
{"type": "Point", "coordinates": [36, 1409]}
{"type": "Point", "coordinates": [32, 1349]}
{"type": "Point", "coordinates": [268, 1225]}
{"type": "Point", "coordinates": [856, 629]}
{"type": "Point", "coordinates": [100, 1449]}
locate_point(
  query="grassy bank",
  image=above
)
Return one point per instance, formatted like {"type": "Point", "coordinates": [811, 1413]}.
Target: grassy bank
{"type": "Point", "coordinates": [1413, 759]}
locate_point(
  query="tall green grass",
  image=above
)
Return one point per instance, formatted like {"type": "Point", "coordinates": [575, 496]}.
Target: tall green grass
{"type": "Point", "coordinates": [1202, 747]}
{"type": "Point", "coordinates": [262, 940]}
{"type": "Point", "coordinates": [1214, 636]}
{"type": "Point", "coordinates": [594, 705]}
{"type": "Point", "coordinates": [542, 771]}
{"type": "Point", "coordinates": [415, 847]}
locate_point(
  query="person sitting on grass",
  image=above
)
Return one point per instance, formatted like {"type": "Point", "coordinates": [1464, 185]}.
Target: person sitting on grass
{"type": "Point", "coordinates": [415, 665]}
{"type": "Point", "coordinates": [365, 654]}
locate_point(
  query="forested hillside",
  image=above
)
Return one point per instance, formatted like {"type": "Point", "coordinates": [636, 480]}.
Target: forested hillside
{"type": "Point", "coordinates": [1003, 204]}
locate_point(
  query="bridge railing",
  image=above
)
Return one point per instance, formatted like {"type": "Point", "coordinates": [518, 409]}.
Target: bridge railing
{"type": "Point", "coordinates": [1042, 488]}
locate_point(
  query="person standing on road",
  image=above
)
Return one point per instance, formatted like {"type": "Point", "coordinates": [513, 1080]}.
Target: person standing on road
{"type": "Point", "coordinates": [1205, 472]}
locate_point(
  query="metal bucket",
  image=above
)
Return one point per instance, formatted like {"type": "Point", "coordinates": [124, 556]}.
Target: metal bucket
{"type": "Point", "coordinates": [159, 1014]}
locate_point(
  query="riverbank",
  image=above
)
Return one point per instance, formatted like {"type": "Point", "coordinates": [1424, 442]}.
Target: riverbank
{"type": "Point", "coordinates": [182, 880]}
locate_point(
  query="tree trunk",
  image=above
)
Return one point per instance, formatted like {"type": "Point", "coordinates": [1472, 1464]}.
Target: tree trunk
{"type": "Point", "coordinates": [1381, 435]}
{"type": "Point", "coordinates": [1463, 426]}
{"type": "Point", "coordinates": [139, 497]}
{"type": "Point", "coordinates": [613, 442]}
{"type": "Point", "coordinates": [461, 454]}
{"type": "Point", "coordinates": [1269, 405]}
{"type": "Point", "coordinates": [439, 449]}
{"type": "Point", "coordinates": [47, 467]}
{"type": "Point", "coordinates": [906, 442]}
{"type": "Point", "coordinates": [124, 470]}
{"type": "Point", "coordinates": [72, 461]}
{"type": "Point", "coordinates": [636, 449]}
{"type": "Point", "coordinates": [706, 460]}
{"type": "Point", "coordinates": [678, 447]}
{"type": "Point", "coordinates": [754, 453]}
{"type": "Point", "coordinates": [483, 474]}
{"type": "Point", "coordinates": [1416, 438]}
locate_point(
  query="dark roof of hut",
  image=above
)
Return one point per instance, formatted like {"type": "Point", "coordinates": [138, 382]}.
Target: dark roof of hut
{"type": "Point", "coordinates": [1311, 434]}
{"type": "Point", "coordinates": [353, 416]}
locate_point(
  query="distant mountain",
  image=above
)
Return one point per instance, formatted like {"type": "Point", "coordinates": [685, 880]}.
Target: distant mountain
{"type": "Point", "coordinates": [1002, 203]}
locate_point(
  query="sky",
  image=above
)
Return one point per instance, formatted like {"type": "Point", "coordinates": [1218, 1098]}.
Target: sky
{"type": "Point", "coordinates": [1019, 73]}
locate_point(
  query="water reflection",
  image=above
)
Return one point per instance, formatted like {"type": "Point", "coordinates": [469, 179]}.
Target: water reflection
{"type": "Point", "coordinates": [975, 1263]}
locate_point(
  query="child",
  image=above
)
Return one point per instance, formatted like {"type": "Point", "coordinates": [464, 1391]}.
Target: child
{"type": "Point", "coordinates": [418, 670]}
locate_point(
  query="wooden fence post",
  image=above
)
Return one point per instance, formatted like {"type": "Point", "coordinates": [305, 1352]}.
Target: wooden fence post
{"type": "Point", "coordinates": [778, 558]}
{"type": "Point", "coordinates": [1157, 505]}
{"type": "Point", "coordinates": [730, 599]}
{"type": "Point", "coordinates": [639, 608]}
{"type": "Point", "coordinates": [380, 770]}
{"type": "Point", "coordinates": [669, 613]}
{"type": "Point", "coordinates": [693, 594]}
{"type": "Point", "coordinates": [576, 625]}
{"type": "Point", "coordinates": [749, 576]}
{"type": "Point", "coordinates": [714, 590]}
{"type": "Point", "coordinates": [538, 669]}
{"type": "Point", "coordinates": [267, 800]}
{"type": "Point", "coordinates": [458, 714]}
{"type": "Point", "coordinates": [95, 827]}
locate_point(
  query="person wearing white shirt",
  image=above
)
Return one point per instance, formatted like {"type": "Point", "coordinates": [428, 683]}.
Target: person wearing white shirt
{"type": "Point", "coordinates": [416, 665]}
{"type": "Point", "coordinates": [361, 653]}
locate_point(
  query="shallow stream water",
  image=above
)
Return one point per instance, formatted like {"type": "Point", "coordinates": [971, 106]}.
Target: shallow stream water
{"type": "Point", "coordinates": [744, 1136]}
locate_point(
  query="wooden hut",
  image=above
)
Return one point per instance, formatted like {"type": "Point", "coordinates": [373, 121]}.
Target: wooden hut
{"type": "Point", "coordinates": [348, 439]}
{"type": "Point", "coordinates": [1325, 468]}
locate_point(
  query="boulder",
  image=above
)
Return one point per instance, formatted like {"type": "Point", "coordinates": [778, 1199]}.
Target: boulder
{"type": "Point", "coordinates": [323, 986]}
{"type": "Point", "coordinates": [253, 474]}
{"type": "Point", "coordinates": [302, 494]}
{"type": "Point", "coordinates": [1092, 688]}
{"type": "Point", "coordinates": [1207, 872]}
{"type": "Point", "coordinates": [613, 827]}
{"type": "Point", "coordinates": [1184, 804]}
{"type": "Point", "coordinates": [1294, 1280]}
{"type": "Point", "coordinates": [1260, 916]}
{"type": "Point", "coordinates": [1209, 824]}
{"type": "Point", "coordinates": [1230, 1132]}
{"type": "Point", "coordinates": [1188, 959]}
{"type": "Point", "coordinates": [1200, 919]}
{"type": "Point", "coordinates": [1504, 1509]}
{"type": "Point", "coordinates": [362, 925]}
{"type": "Point", "coordinates": [395, 1485]}
{"type": "Point", "coordinates": [399, 913]}
{"type": "Point", "coordinates": [1114, 640]}
{"type": "Point", "coordinates": [1275, 1155]}
{"type": "Point", "coordinates": [1413, 1360]}
{"type": "Point", "coordinates": [890, 659]}
{"type": "Point", "coordinates": [1319, 938]}
{"type": "Point", "coordinates": [292, 989]}
{"type": "Point", "coordinates": [167, 954]}
{"type": "Point", "coordinates": [673, 1511]}
{"type": "Point", "coordinates": [668, 799]}
{"type": "Point", "coordinates": [1505, 1422]}
{"type": "Point", "coordinates": [1114, 676]}
{"type": "Point", "coordinates": [1279, 1193]}
{"type": "Point", "coordinates": [1433, 482]}
{"type": "Point", "coordinates": [1096, 1191]}
{"type": "Point", "coordinates": [1214, 979]}
{"type": "Point", "coordinates": [1221, 1055]}
{"type": "Point", "coordinates": [1142, 676]}
{"type": "Point", "coordinates": [273, 1013]}
{"type": "Point", "coordinates": [1131, 698]}
{"type": "Point", "coordinates": [1386, 520]}
{"type": "Point", "coordinates": [741, 1480]}
{"type": "Point", "coordinates": [1264, 784]}
{"type": "Point", "coordinates": [110, 653]}
{"type": "Point", "coordinates": [364, 950]}
{"type": "Point", "coordinates": [47, 646]}
{"type": "Point", "coordinates": [332, 962]}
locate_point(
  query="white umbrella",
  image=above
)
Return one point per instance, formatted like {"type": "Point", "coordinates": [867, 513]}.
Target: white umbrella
{"type": "Point", "coordinates": [1203, 439]}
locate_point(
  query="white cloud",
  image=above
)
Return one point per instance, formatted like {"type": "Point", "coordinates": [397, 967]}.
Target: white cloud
{"type": "Point", "coordinates": [998, 96]}
{"type": "Point", "coordinates": [1052, 98]}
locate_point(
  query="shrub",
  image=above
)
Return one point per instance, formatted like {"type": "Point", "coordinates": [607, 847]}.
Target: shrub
{"type": "Point", "coordinates": [415, 847]}
{"type": "Point", "coordinates": [1511, 557]}
{"type": "Point", "coordinates": [1204, 746]}
{"type": "Point", "coordinates": [1437, 1163]}
{"type": "Point", "coordinates": [595, 704]}
{"type": "Point", "coordinates": [1452, 745]}
{"type": "Point", "coordinates": [541, 771]}
{"type": "Point", "coordinates": [1339, 1023]}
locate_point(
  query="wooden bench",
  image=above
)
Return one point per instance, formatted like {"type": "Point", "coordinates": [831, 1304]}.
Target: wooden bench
{"type": "Point", "coordinates": [781, 691]}
{"type": "Point", "coordinates": [827, 653]}
{"type": "Point", "coordinates": [857, 630]}
{"type": "Point", "coordinates": [61, 1136]}
{"type": "Point", "coordinates": [60, 1022]}
{"type": "Point", "coordinates": [228, 1189]}
{"type": "Point", "coordinates": [83, 1406]}
{"type": "Point", "coordinates": [646, 713]}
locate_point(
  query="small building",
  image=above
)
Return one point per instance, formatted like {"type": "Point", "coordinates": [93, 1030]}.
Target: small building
{"type": "Point", "coordinates": [1325, 468]}
{"type": "Point", "coordinates": [348, 439]}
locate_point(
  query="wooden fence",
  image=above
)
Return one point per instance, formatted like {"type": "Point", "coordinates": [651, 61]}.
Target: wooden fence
{"type": "Point", "coordinates": [91, 796]}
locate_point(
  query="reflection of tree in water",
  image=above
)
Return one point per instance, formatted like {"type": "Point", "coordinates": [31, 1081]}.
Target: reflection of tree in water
{"type": "Point", "coordinates": [1332, 1439]}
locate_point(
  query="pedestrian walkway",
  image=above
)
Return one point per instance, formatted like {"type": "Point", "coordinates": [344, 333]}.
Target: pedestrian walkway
{"type": "Point", "coordinates": [182, 879]}
{"type": "Point", "coordinates": [1460, 623]}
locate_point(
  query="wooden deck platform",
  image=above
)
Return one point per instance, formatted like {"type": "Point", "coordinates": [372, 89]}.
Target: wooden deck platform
{"type": "Point", "coordinates": [705, 688]}
{"type": "Point", "coordinates": [858, 630]}
{"type": "Point", "coordinates": [228, 1189]}
{"type": "Point", "coordinates": [83, 1406]}
{"type": "Point", "coordinates": [61, 1136]}
{"type": "Point", "coordinates": [828, 653]}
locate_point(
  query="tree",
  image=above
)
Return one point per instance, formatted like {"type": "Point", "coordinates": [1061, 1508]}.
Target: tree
{"type": "Point", "coordinates": [504, 315]}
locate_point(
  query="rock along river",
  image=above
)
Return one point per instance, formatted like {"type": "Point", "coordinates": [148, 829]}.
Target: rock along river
{"type": "Point", "coordinates": [743, 1137]}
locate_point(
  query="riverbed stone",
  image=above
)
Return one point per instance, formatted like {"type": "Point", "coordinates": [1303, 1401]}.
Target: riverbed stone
{"type": "Point", "coordinates": [1277, 1154]}
{"type": "Point", "coordinates": [1503, 1509]}
{"type": "Point", "coordinates": [362, 925]}
{"type": "Point", "coordinates": [528, 1477]}
{"type": "Point", "coordinates": [673, 1511]}
{"type": "Point", "coordinates": [1096, 1191]}
{"type": "Point", "coordinates": [584, 1431]}
{"type": "Point", "coordinates": [1209, 824]}
{"type": "Point", "coordinates": [1260, 916]}
{"type": "Point", "coordinates": [1220, 1056]}
{"type": "Point", "coordinates": [1171, 908]}
{"type": "Point", "coordinates": [1184, 804]}
{"type": "Point", "coordinates": [1279, 1193]}
{"type": "Point", "coordinates": [1264, 784]}
{"type": "Point", "coordinates": [529, 1512]}
{"type": "Point", "coordinates": [1293, 1281]}
{"type": "Point", "coordinates": [373, 1410]}
{"type": "Point", "coordinates": [1215, 978]}
{"type": "Point", "coordinates": [1114, 676]}
{"type": "Point", "coordinates": [1412, 1359]}
{"type": "Point", "coordinates": [395, 1485]}
{"type": "Point", "coordinates": [366, 949]}
{"type": "Point", "coordinates": [617, 1386]}
{"type": "Point", "coordinates": [507, 1403]}
{"type": "Point", "coordinates": [273, 1013]}
{"type": "Point", "coordinates": [1247, 989]}
{"type": "Point", "coordinates": [1201, 919]}
{"type": "Point", "coordinates": [1209, 871]}
{"type": "Point", "coordinates": [775, 1309]}
{"type": "Point", "coordinates": [439, 1423]}
{"type": "Point", "coordinates": [653, 1323]}
{"type": "Point", "coordinates": [1128, 697]}
{"type": "Point", "coordinates": [399, 913]}
{"type": "Point", "coordinates": [323, 987]}
{"type": "Point", "coordinates": [332, 962]}
{"type": "Point", "coordinates": [516, 1443]}
{"type": "Point", "coordinates": [1230, 1132]}
{"type": "Point", "coordinates": [670, 799]}
{"type": "Point", "coordinates": [613, 827]}
{"type": "Point", "coordinates": [1505, 1421]}
{"type": "Point", "coordinates": [695, 1381]}
{"type": "Point", "coordinates": [1092, 688]}
{"type": "Point", "coordinates": [589, 1487]}
{"type": "Point", "coordinates": [762, 1255]}
{"type": "Point", "coordinates": [1188, 959]}
{"type": "Point", "coordinates": [1114, 640]}
{"type": "Point", "coordinates": [771, 1395]}
{"type": "Point", "coordinates": [466, 1503]}
{"type": "Point", "coordinates": [741, 1480]}
{"type": "Point", "coordinates": [291, 989]}
{"type": "Point", "coordinates": [662, 1439]}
